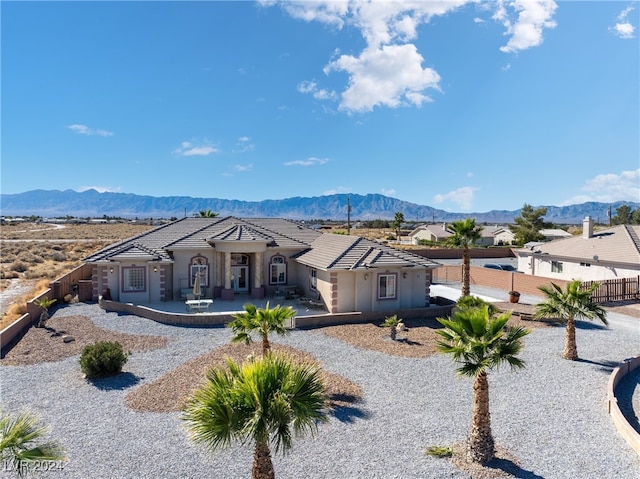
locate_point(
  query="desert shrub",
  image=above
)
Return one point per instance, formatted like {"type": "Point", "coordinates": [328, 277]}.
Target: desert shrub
{"type": "Point", "coordinates": [19, 267]}
{"type": "Point", "coordinates": [58, 256]}
{"type": "Point", "coordinates": [57, 247]}
{"type": "Point", "coordinates": [9, 274]}
{"type": "Point", "coordinates": [29, 257]}
{"type": "Point", "coordinates": [102, 359]}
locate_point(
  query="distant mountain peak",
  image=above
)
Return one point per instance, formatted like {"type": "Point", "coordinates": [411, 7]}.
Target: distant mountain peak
{"type": "Point", "coordinates": [91, 203]}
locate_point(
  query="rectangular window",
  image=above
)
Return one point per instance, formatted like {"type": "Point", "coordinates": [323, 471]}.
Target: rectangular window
{"type": "Point", "coordinates": [387, 286]}
{"type": "Point", "coordinates": [313, 279]}
{"type": "Point", "coordinates": [203, 271]}
{"type": "Point", "coordinates": [556, 267]}
{"type": "Point", "coordinates": [133, 279]}
{"type": "Point", "coordinates": [278, 275]}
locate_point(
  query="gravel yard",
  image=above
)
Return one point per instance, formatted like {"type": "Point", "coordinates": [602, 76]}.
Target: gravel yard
{"type": "Point", "coordinates": [398, 398]}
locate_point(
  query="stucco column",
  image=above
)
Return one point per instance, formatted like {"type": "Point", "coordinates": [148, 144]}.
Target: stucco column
{"type": "Point", "coordinates": [227, 270]}
{"type": "Point", "coordinates": [257, 280]}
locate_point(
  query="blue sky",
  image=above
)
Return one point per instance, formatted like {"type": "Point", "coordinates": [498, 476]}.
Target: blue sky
{"type": "Point", "coordinates": [464, 106]}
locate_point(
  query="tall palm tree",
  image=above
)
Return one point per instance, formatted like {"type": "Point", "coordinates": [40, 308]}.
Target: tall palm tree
{"type": "Point", "coordinates": [480, 342]}
{"type": "Point", "coordinates": [265, 401]}
{"type": "Point", "coordinates": [465, 235]}
{"type": "Point", "coordinates": [260, 320]}
{"type": "Point", "coordinates": [18, 434]}
{"type": "Point", "coordinates": [568, 305]}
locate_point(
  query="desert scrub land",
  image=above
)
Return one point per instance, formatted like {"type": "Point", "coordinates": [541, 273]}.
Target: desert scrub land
{"type": "Point", "coordinates": [33, 254]}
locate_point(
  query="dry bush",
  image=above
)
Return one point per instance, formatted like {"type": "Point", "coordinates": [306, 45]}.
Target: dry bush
{"type": "Point", "coordinates": [18, 267]}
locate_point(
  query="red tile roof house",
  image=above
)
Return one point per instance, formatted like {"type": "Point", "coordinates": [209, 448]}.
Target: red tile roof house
{"type": "Point", "coordinates": [258, 257]}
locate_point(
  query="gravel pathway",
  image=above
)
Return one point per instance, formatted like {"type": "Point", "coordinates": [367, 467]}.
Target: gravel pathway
{"type": "Point", "coordinates": [551, 416]}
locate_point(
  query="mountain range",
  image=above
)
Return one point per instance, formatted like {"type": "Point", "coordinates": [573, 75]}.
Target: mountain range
{"type": "Point", "coordinates": [91, 203]}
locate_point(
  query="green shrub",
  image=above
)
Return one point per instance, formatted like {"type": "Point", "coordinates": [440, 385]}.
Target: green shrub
{"type": "Point", "coordinates": [102, 359]}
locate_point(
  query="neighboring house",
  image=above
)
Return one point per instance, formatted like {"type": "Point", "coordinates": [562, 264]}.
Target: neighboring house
{"type": "Point", "coordinates": [554, 234]}
{"type": "Point", "coordinates": [503, 236]}
{"type": "Point", "coordinates": [436, 233]}
{"type": "Point", "coordinates": [608, 254]}
{"type": "Point", "coordinates": [257, 257]}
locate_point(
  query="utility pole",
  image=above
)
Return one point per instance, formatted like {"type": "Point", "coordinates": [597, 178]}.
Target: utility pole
{"type": "Point", "coordinates": [349, 214]}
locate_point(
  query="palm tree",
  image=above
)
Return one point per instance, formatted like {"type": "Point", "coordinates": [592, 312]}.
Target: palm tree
{"type": "Point", "coordinates": [263, 401]}
{"type": "Point", "coordinates": [480, 342]}
{"type": "Point", "coordinates": [261, 320]}
{"type": "Point", "coordinates": [207, 214]}
{"type": "Point", "coordinates": [397, 223]}
{"type": "Point", "coordinates": [568, 305]}
{"type": "Point", "coordinates": [44, 303]}
{"type": "Point", "coordinates": [17, 437]}
{"type": "Point", "coordinates": [465, 235]}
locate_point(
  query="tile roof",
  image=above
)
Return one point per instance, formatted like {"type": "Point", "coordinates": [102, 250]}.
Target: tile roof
{"type": "Point", "coordinates": [194, 233]}
{"type": "Point", "coordinates": [620, 244]}
{"type": "Point", "coordinates": [341, 252]}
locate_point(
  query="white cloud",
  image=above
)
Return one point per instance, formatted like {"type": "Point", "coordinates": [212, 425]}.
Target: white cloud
{"type": "Point", "coordinates": [388, 72]}
{"type": "Point", "coordinates": [243, 168]}
{"type": "Point", "coordinates": [533, 16]}
{"type": "Point", "coordinates": [624, 28]}
{"type": "Point", "coordinates": [388, 76]}
{"type": "Point", "coordinates": [388, 191]}
{"type": "Point", "coordinates": [85, 130]}
{"type": "Point", "coordinates": [609, 187]}
{"type": "Point", "coordinates": [244, 145]}
{"type": "Point", "coordinates": [100, 189]}
{"type": "Point", "coordinates": [308, 162]}
{"type": "Point", "coordinates": [463, 197]}
{"type": "Point", "coordinates": [187, 148]}
{"type": "Point", "coordinates": [338, 190]}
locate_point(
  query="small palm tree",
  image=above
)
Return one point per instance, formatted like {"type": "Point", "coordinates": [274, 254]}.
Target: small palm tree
{"type": "Point", "coordinates": [44, 303]}
{"type": "Point", "coordinates": [465, 235]}
{"type": "Point", "coordinates": [392, 323]}
{"type": "Point", "coordinates": [260, 320]}
{"type": "Point", "coordinates": [265, 401]}
{"type": "Point", "coordinates": [18, 435]}
{"type": "Point", "coordinates": [568, 305]}
{"type": "Point", "coordinates": [480, 342]}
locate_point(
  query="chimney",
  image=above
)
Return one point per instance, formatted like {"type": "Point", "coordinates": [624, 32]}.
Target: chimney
{"type": "Point", "coordinates": [587, 227]}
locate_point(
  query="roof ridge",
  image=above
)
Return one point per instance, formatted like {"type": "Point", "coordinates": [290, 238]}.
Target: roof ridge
{"type": "Point", "coordinates": [216, 219]}
{"type": "Point", "coordinates": [346, 250]}
{"type": "Point", "coordinates": [634, 236]}
{"type": "Point", "coordinates": [277, 233]}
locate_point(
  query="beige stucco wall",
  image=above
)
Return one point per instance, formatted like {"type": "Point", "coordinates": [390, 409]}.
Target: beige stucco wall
{"type": "Point", "coordinates": [597, 271]}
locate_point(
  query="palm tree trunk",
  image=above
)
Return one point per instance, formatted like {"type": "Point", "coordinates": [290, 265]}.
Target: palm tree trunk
{"type": "Point", "coordinates": [466, 272]}
{"type": "Point", "coordinates": [570, 347]}
{"type": "Point", "coordinates": [480, 447]}
{"type": "Point", "coordinates": [262, 464]}
{"type": "Point", "coordinates": [265, 345]}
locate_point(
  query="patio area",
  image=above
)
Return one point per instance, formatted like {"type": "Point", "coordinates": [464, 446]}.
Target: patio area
{"type": "Point", "coordinates": [226, 307]}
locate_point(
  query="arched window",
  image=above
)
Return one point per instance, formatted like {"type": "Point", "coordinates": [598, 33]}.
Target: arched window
{"type": "Point", "coordinates": [278, 270]}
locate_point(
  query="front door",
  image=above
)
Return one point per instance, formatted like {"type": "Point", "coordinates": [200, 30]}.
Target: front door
{"type": "Point", "coordinates": [240, 279]}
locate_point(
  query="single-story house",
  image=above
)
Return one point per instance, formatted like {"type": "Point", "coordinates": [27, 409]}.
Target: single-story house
{"type": "Point", "coordinates": [260, 257]}
{"type": "Point", "coordinates": [437, 233]}
{"type": "Point", "coordinates": [503, 236]}
{"type": "Point", "coordinates": [608, 254]}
